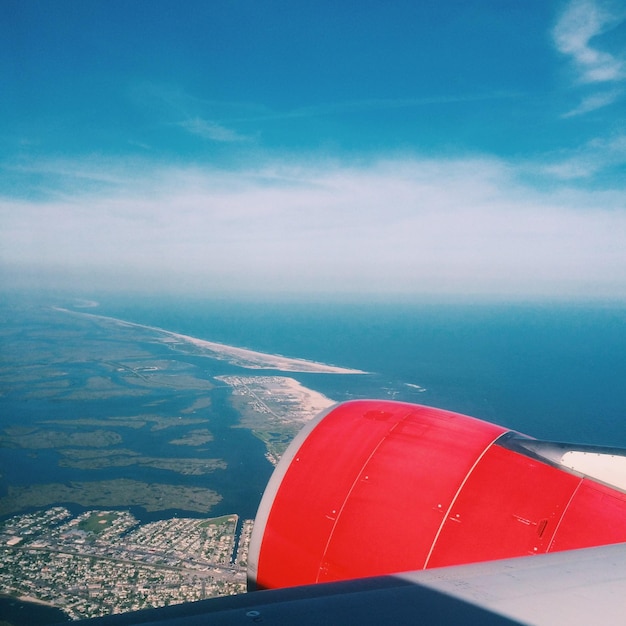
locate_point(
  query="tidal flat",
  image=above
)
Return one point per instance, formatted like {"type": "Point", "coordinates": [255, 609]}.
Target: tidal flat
{"type": "Point", "coordinates": [96, 406]}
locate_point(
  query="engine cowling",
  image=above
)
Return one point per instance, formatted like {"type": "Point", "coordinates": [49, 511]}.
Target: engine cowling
{"type": "Point", "coordinates": [376, 487]}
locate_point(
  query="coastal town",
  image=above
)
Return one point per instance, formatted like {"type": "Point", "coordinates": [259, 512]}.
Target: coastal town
{"type": "Point", "coordinates": [103, 562]}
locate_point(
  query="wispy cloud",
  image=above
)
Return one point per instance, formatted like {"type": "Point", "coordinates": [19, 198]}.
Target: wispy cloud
{"type": "Point", "coordinates": [582, 21]}
{"type": "Point", "coordinates": [210, 120]}
{"type": "Point", "coordinates": [210, 130]}
{"type": "Point", "coordinates": [577, 35]}
{"type": "Point", "coordinates": [369, 104]}
{"type": "Point", "coordinates": [596, 156]}
{"type": "Point", "coordinates": [595, 101]}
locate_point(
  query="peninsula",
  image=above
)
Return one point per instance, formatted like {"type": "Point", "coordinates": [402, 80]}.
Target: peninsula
{"type": "Point", "coordinates": [241, 357]}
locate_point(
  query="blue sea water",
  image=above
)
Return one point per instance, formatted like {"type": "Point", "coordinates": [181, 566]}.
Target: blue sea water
{"type": "Point", "coordinates": [554, 371]}
{"type": "Point", "coordinates": [17, 613]}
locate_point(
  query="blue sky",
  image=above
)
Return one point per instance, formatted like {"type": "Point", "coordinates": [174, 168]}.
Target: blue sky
{"type": "Point", "coordinates": [446, 148]}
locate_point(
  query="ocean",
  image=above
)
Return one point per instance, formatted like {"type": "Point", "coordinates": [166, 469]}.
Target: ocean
{"type": "Point", "coordinates": [18, 613]}
{"type": "Point", "coordinates": [553, 371]}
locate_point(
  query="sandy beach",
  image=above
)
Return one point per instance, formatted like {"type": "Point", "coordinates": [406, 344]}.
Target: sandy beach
{"type": "Point", "coordinates": [300, 403]}
{"type": "Point", "coordinates": [260, 360]}
{"type": "Point", "coordinates": [242, 357]}
{"type": "Point", "coordinates": [274, 408]}
{"type": "Point", "coordinates": [311, 402]}
{"type": "Point", "coordinates": [33, 600]}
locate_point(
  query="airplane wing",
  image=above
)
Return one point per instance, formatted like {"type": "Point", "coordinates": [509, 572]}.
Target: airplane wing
{"type": "Point", "coordinates": [572, 587]}
{"type": "Point", "coordinates": [576, 588]}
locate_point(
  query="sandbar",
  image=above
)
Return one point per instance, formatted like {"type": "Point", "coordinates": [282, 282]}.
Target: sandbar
{"type": "Point", "coordinates": [260, 360]}
{"type": "Point", "coordinates": [242, 357]}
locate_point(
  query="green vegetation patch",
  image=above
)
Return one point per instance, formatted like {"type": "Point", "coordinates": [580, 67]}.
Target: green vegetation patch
{"type": "Point", "coordinates": [83, 453]}
{"type": "Point", "coordinates": [199, 403]}
{"type": "Point", "coordinates": [159, 422]}
{"type": "Point", "coordinates": [123, 422]}
{"type": "Point", "coordinates": [90, 459]}
{"type": "Point", "coordinates": [197, 437]}
{"type": "Point", "coordinates": [98, 521]}
{"type": "Point", "coordinates": [40, 439]}
{"type": "Point", "coordinates": [110, 493]}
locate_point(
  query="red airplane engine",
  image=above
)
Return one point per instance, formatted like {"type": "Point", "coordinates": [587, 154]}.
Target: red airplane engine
{"type": "Point", "coordinates": [375, 487]}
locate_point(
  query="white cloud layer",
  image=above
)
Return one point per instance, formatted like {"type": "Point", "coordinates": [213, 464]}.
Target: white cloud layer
{"type": "Point", "coordinates": [409, 226]}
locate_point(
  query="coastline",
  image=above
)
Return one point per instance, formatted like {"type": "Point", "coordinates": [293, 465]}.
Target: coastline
{"type": "Point", "coordinates": [304, 403]}
{"type": "Point", "coordinates": [274, 408]}
{"type": "Point", "coordinates": [27, 599]}
{"type": "Point", "coordinates": [32, 600]}
{"type": "Point", "coordinates": [243, 357]}
{"type": "Point", "coordinates": [25, 610]}
{"type": "Point", "coordinates": [252, 359]}
{"type": "Point", "coordinates": [311, 402]}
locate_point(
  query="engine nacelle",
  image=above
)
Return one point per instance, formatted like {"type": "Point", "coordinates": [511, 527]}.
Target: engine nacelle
{"type": "Point", "coordinates": [377, 487]}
